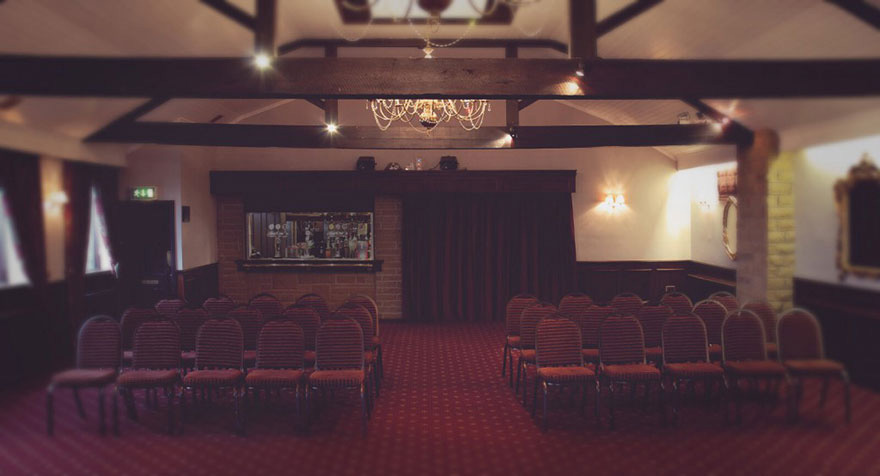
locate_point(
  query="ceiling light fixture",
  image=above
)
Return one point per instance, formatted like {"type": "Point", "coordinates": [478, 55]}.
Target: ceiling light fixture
{"type": "Point", "coordinates": [429, 113]}
{"type": "Point", "coordinates": [332, 128]}
{"type": "Point", "coordinates": [262, 61]}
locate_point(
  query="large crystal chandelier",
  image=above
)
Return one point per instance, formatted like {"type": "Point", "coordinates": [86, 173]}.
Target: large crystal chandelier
{"type": "Point", "coordinates": [429, 113]}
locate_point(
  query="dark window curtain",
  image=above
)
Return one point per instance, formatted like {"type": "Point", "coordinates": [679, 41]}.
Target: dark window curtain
{"type": "Point", "coordinates": [20, 177]}
{"type": "Point", "coordinates": [79, 179]}
{"type": "Point", "coordinates": [465, 255]}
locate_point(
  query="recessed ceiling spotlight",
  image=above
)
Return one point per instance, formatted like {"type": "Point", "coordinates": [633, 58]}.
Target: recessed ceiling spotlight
{"type": "Point", "coordinates": [262, 60]}
{"type": "Point", "coordinates": [580, 69]}
{"type": "Point", "coordinates": [332, 128]}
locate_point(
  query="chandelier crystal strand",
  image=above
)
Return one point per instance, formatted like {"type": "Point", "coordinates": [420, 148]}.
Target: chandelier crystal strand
{"type": "Point", "coordinates": [426, 114]}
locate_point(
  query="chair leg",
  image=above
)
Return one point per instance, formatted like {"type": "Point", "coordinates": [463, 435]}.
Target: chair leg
{"type": "Point", "coordinates": [50, 411]}
{"type": "Point", "coordinates": [544, 387]}
{"type": "Point", "coordinates": [675, 398]}
{"type": "Point", "coordinates": [169, 395]}
{"type": "Point", "coordinates": [846, 400]}
{"type": "Point", "coordinates": [525, 381]}
{"type": "Point", "coordinates": [363, 412]}
{"type": "Point", "coordinates": [102, 429]}
{"type": "Point", "coordinates": [518, 374]}
{"type": "Point", "coordinates": [182, 398]}
{"type": "Point", "coordinates": [661, 401]}
{"type": "Point", "coordinates": [504, 353]}
{"type": "Point", "coordinates": [535, 397]}
{"type": "Point", "coordinates": [79, 404]}
{"type": "Point", "coordinates": [611, 404]}
{"type": "Point", "coordinates": [239, 421]}
{"type": "Point", "coordinates": [598, 391]}
{"type": "Point", "coordinates": [308, 393]}
{"type": "Point", "coordinates": [510, 365]}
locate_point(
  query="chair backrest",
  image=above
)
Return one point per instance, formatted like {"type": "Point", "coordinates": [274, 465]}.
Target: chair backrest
{"type": "Point", "coordinates": [132, 318]}
{"type": "Point", "coordinates": [528, 322]}
{"type": "Point", "coordinates": [712, 313]}
{"type": "Point", "coordinates": [168, 307]}
{"type": "Point", "coordinates": [680, 303]}
{"type": "Point", "coordinates": [280, 345]}
{"type": "Point", "coordinates": [514, 309]}
{"type": "Point", "coordinates": [627, 304]}
{"type": "Point", "coordinates": [218, 306]}
{"type": "Point", "coordinates": [765, 311]}
{"type": "Point", "coordinates": [188, 321]}
{"type": "Point", "coordinates": [250, 321]}
{"type": "Point", "coordinates": [573, 304]}
{"type": "Point", "coordinates": [157, 346]}
{"type": "Point", "coordinates": [307, 319]}
{"type": "Point", "coordinates": [339, 345]}
{"type": "Point", "coordinates": [268, 305]}
{"type": "Point", "coordinates": [684, 340]}
{"type": "Point", "coordinates": [621, 341]}
{"type": "Point", "coordinates": [742, 337]}
{"type": "Point", "coordinates": [362, 316]}
{"type": "Point", "coordinates": [589, 323]}
{"type": "Point", "coordinates": [370, 305]}
{"type": "Point", "coordinates": [316, 302]}
{"type": "Point", "coordinates": [799, 336]}
{"type": "Point", "coordinates": [99, 344]}
{"type": "Point", "coordinates": [652, 319]}
{"type": "Point", "coordinates": [727, 300]}
{"type": "Point", "coordinates": [558, 343]}
{"type": "Point", "coordinates": [219, 345]}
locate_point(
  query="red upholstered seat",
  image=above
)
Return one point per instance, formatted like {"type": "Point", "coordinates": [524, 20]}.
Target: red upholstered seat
{"type": "Point", "coordinates": [148, 378]}
{"type": "Point", "coordinates": [514, 341]}
{"type": "Point", "coordinates": [369, 357]}
{"type": "Point", "coordinates": [694, 370]}
{"type": "Point", "coordinates": [654, 354]}
{"type": "Point", "coordinates": [213, 378]}
{"type": "Point", "coordinates": [309, 358]}
{"type": "Point", "coordinates": [528, 355]}
{"type": "Point", "coordinates": [375, 341]}
{"type": "Point", "coordinates": [591, 355]}
{"type": "Point", "coordinates": [715, 352]}
{"type": "Point", "coordinates": [84, 377]}
{"type": "Point", "coordinates": [632, 372]}
{"type": "Point", "coordinates": [250, 357]}
{"type": "Point", "coordinates": [336, 378]}
{"type": "Point", "coordinates": [772, 350]}
{"type": "Point", "coordinates": [561, 375]}
{"type": "Point", "coordinates": [813, 366]}
{"type": "Point", "coordinates": [273, 378]}
{"type": "Point", "coordinates": [755, 368]}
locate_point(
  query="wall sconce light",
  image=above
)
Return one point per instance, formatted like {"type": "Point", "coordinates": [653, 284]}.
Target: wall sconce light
{"type": "Point", "coordinates": [55, 201]}
{"type": "Point", "coordinates": [613, 202]}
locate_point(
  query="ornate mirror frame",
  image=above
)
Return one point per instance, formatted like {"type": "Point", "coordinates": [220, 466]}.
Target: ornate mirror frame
{"type": "Point", "coordinates": [725, 236]}
{"type": "Point", "coordinates": [864, 171]}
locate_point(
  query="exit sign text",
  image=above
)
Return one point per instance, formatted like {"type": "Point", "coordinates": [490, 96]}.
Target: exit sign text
{"type": "Point", "coordinates": [144, 193]}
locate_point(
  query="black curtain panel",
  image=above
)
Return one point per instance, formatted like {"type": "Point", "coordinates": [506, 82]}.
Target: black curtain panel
{"type": "Point", "coordinates": [20, 178]}
{"type": "Point", "coordinates": [466, 254]}
{"type": "Point", "coordinates": [79, 178]}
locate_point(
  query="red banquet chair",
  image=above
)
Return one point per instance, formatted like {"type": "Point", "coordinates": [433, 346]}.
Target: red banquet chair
{"type": "Point", "coordinates": [361, 315]}
{"type": "Point", "coordinates": [156, 364]}
{"type": "Point", "coordinates": [528, 325]}
{"type": "Point", "coordinates": [268, 305]}
{"type": "Point", "coordinates": [375, 342]}
{"type": "Point", "coordinates": [652, 319]}
{"type": "Point", "coordinates": [680, 303]}
{"type": "Point", "coordinates": [573, 304]}
{"type": "Point", "coordinates": [512, 313]}
{"type": "Point", "coordinates": [131, 319]}
{"type": "Point", "coordinates": [745, 355]}
{"type": "Point", "coordinates": [802, 352]}
{"type": "Point", "coordinates": [559, 361]}
{"type": "Point", "coordinates": [627, 304]}
{"type": "Point", "coordinates": [250, 320]}
{"type": "Point", "coordinates": [686, 356]}
{"type": "Point", "coordinates": [167, 308]}
{"type": "Point", "coordinates": [765, 311]}
{"type": "Point", "coordinates": [279, 363]}
{"type": "Point", "coordinates": [309, 321]}
{"type": "Point", "coordinates": [98, 358]}
{"type": "Point", "coordinates": [316, 302]}
{"type": "Point", "coordinates": [589, 323]}
{"type": "Point", "coordinates": [219, 366]}
{"type": "Point", "coordinates": [189, 320]}
{"type": "Point", "coordinates": [712, 313]}
{"type": "Point", "coordinates": [622, 360]}
{"type": "Point", "coordinates": [218, 306]}
{"type": "Point", "coordinates": [339, 363]}
{"type": "Point", "coordinates": [728, 300]}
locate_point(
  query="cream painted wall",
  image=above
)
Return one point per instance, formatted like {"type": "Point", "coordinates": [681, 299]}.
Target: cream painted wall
{"type": "Point", "coordinates": [816, 219]}
{"type": "Point", "coordinates": [196, 193]}
{"type": "Point", "coordinates": [51, 180]}
{"type": "Point", "coordinates": [706, 213]}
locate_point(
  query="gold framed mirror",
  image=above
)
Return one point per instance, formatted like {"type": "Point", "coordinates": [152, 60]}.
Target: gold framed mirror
{"type": "Point", "coordinates": [728, 227]}
{"type": "Point", "coordinates": [858, 201]}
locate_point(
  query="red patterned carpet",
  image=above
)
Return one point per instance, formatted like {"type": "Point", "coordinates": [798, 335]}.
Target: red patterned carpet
{"type": "Point", "coordinates": [444, 409]}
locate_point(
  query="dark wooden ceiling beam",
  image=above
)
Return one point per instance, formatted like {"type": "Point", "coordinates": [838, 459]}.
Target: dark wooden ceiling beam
{"type": "Point", "coordinates": [130, 117]}
{"type": "Point", "coordinates": [624, 15]}
{"type": "Point", "coordinates": [524, 103]}
{"type": "Point", "coordinates": [861, 9]}
{"type": "Point", "coordinates": [489, 78]}
{"type": "Point", "coordinates": [419, 43]}
{"type": "Point", "coordinates": [718, 116]}
{"type": "Point", "coordinates": [264, 27]}
{"type": "Point", "coordinates": [234, 13]}
{"type": "Point", "coordinates": [584, 39]}
{"type": "Point", "coordinates": [371, 137]}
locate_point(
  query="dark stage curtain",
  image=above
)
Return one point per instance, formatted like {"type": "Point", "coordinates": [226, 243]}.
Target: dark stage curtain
{"type": "Point", "coordinates": [20, 178]}
{"type": "Point", "coordinates": [79, 178]}
{"type": "Point", "coordinates": [465, 255]}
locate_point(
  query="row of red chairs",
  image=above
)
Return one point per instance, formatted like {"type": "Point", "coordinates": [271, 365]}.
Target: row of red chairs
{"type": "Point", "coordinates": [343, 355]}
{"type": "Point", "coordinates": [630, 343]}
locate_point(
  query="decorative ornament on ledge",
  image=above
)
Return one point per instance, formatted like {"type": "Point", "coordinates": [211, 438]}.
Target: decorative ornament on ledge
{"type": "Point", "coordinates": [858, 199]}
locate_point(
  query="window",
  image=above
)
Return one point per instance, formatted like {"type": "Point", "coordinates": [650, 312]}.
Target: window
{"type": "Point", "coordinates": [98, 257]}
{"type": "Point", "coordinates": [12, 271]}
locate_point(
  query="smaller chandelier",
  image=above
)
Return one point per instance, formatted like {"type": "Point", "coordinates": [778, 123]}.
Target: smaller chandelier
{"type": "Point", "coordinates": [429, 113]}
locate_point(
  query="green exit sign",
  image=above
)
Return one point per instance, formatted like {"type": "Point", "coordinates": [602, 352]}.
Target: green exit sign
{"type": "Point", "coordinates": [144, 193]}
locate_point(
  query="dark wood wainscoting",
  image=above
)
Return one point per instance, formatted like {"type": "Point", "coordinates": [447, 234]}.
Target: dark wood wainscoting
{"type": "Point", "coordinates": [197, 284]}
{"type": "Point", "coordinates": [850, 320]}
{"type": "Point", "coordinates": [602, 280]}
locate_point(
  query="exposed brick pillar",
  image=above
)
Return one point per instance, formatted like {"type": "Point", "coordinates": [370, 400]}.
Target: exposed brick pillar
{"type": "Point", "coordinates": [752, 219]}
{"type": "Point", "coordinates": [780, 232]}
{"type": "Point", "coordinates": [389, 282]}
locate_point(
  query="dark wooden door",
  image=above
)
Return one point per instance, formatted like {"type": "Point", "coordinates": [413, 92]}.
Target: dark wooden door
{"type": "Point", "coordinates": [146, 254]}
